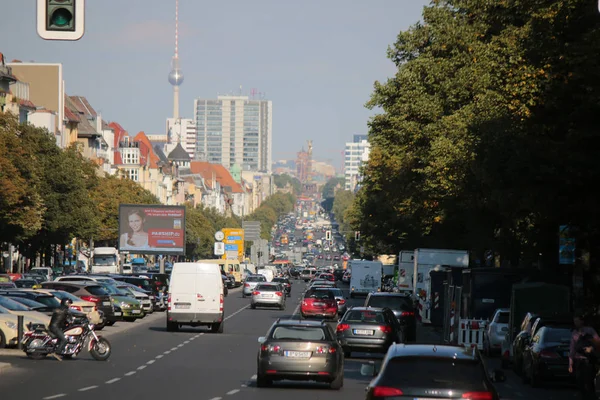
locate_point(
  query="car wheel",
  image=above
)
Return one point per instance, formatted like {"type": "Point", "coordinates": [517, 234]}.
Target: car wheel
{"type": "Point", "coordinates": [253, 306]}
{"type": "Point", "coordinates": [2, 340]}
{"type": "Point", "coordinates": [217, 327]}
{"type": "Point", "coordinates": [262, 381]}
{"type": "Point", "coordinates": [172, 327]}
{"type": "Point", "coordinates": [282, 307]}
{"type": "Point", "coordinates": [338, 382]}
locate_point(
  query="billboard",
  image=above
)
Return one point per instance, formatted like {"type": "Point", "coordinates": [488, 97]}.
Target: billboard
{"type": "Point", "coordinates": [234, 244]}
{"type": "Point", "coordinates": [152, 229]}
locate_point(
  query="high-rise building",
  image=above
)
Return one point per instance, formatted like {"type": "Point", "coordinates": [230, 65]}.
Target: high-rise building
{"type": "Point", "coordinates": [181, 130]}
{"type": "Point", "coordinates": [356, 154]}
{"type": "Point", "coordinates": [235, 130]}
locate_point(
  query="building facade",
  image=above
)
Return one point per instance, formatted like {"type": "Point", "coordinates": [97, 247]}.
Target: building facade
{"type": "Point", "coordinates": [234, 130]}
{"type": "Point", "coordinates": [356, 154]}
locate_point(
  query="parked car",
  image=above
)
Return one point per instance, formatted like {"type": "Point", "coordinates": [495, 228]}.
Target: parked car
{"type": "Point", "coordinates": [496, 331]}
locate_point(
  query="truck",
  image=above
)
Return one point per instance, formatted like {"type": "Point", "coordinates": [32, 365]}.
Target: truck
{"type": "Point", "coordinates": [389, 264]}
{"type": "Point", "coordinates": [425, 260]}
{"type": "Point", "coordinates": [406, 265]}
{"type": "Point", "coordinates": [105, 260]}
{"type": "Point", "coordinates": [366, 277]}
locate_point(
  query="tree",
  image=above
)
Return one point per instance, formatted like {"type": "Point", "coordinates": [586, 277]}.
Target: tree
{"type": "Point", "coordinates": [282, 180]}
{"type": "Point", "coordinates": [21, 206]}
{"type": "Point", "coordinates": [330, 186]}
{"type": "Point", "coordinates": [110, 192]}
{"type": "Point", "coordinates": [480, 144]}
{"type": "Point", "coordinates": [199, 234]}
{"type": "Point", "coordinates": [270, 210]}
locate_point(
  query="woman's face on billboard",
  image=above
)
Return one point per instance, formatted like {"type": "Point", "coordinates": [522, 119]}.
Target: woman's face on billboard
{"type": "Point", "coordinates": [135, 222]}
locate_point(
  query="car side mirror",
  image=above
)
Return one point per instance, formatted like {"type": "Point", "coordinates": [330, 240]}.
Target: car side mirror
{"type": "Point", "coordinates": [498, 376]}
{"type": "Point", "coordinates": [262, 339]}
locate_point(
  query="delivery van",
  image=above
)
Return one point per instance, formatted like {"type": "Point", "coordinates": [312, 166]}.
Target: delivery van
{"type": "Point", "coordinates": [195, 296]}
{"type": "Point", "coordinates": [229, 267]}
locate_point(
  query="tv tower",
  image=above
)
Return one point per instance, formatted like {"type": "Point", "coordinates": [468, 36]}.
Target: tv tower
{"type": "Point", "coordinates": [175, 76]}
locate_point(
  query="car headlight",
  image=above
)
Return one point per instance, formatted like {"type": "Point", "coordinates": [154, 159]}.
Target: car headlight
{"type": "Point", "coordinates": [125, 305]}
{"type": "Point", "coordinates": [11, 325]}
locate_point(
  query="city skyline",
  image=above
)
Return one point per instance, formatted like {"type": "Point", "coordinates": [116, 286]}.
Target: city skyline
{"type": "Point", "coordinates": [122, 65]}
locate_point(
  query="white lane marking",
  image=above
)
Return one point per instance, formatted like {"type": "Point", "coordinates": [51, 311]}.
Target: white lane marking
{"type": "Point", "coordinates": [200, 334]}
{"type": "Point", "coordinates": [167, 352]}
{"type": "Point", "coordinates": [130, 373]}
{"type": "Point", "coordinates": [56, 396]}
{"type": "Point", "coordinates": [113, 380]}
{"type": "Point", "coordinates": [158, 357]}
{"type": "Point", "coordinates": [244, 386]}
{"type": "Point", "coordinates": [141, 367]}
{"type": "Point", "coordinates": [235, 313]}
{"type": "Point", "coordinates": [216, 398]}
{"type": "Point", "coordinates": [186, 342]}
{"type": "Point", "coordinates": [253, 378]}
{"type": "Point", "coordinates": [234, 391]}
{"type": "Point", "coordinates": [173, 348]}
{"type": "Point", "coordinates": [180, 345]}
{"type": "Point", "coordinates": [295, 311]}
{"type": "Point", "coordinates": [85, 389]}
{"type": "Point", "coordinates": [151, 362]}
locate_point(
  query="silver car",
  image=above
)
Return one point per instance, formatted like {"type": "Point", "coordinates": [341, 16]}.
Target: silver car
{"type": "Point", "coordinates": [250, 283]}
{"type": "Point", "coordinates": [496, 331]}
{"type": "Point", "coordinates": [268, 294]}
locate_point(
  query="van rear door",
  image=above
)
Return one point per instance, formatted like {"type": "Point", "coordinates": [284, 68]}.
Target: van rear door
{"type": "Point", "coordinates": [209, 292]}
{"type": "Point", "coordinates": [183, 292]}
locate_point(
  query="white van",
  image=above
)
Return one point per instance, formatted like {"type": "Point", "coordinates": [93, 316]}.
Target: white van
{"type": "Point", "coordinates": [267, 273]}
{"type": "Point", "coordinates": [195, 296]}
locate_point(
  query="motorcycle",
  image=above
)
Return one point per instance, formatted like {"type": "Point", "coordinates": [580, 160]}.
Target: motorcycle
{"type": "Point", "coordinates": [38, 342]}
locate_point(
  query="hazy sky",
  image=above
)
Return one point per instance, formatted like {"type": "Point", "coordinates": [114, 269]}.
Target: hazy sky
{"type": "Point", "coordinates": [316, 60]}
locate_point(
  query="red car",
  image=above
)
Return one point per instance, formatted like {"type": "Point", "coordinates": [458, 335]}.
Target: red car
{"type": "Point", "coordinates": [319, 303]}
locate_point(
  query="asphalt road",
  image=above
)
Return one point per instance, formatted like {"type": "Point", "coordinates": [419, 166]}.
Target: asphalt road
{"type": "Point", "coordinates": [150, 363]}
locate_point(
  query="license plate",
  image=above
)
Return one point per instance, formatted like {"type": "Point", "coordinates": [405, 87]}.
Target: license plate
{"type": "Point", "coordinates": [117, 314]}
{"type": "Point", "coordinates": [106, 303]}
{"type": "Point", "coordinates": [182, 306]}
{"type": "Point", "coordinates": [297, 354]}
{"type": "Point", "coordinates": [424, 398]}
{"type": "Point", "coordinates": [318, 304]}
{"type": "Point", "coordinates": [267, 295]}
{"type": "Point", "coordinates": [135, 311]}
{"type": "Point", "coordinates": [363, 332]}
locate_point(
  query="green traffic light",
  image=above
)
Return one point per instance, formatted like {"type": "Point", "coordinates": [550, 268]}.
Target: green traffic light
{"type": "Point", "coordinates": [61, 17]}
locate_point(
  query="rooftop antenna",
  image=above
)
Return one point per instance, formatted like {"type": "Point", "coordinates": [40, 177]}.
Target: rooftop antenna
{"type": "Point", "coordinates": [176, 76]}
{"type": "Point", "coordinates": [240, 90]}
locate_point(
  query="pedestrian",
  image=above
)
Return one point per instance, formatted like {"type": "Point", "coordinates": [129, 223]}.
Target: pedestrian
{"type": "Point", "coordinates": [582, 357]}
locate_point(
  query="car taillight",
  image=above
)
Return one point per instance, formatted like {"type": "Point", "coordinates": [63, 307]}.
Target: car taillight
{"type": "Point", "coordinates": [264, 347]}
{"type": "Point", "coordinates": [255, 293]}
{"type": "Point", "coordinates": [342, 327]}
{"type": "Point", "coordinates": [407, 314]}
{"type": "Point", "coordinates": [384, 391]}
{"type": "Point", "coordinates": [90, 298]}
{"type": "Point", "coordinates": [477, 396]}
{"type": "Point", "coordinates": [385, 329]}
{"type": "Point", "coordinates": [548, 354]}
{"type": "Point", "coordinates": [76, 308]}
{"type": "Point", "coordinates": [279, 294]}
{"type": "Point", "coordinates": [246, 285]}
{"type": "Point", "coordinates": [325, 350]}
{"type": "Point", "coordinates": [169, 302]}
{"type": "Point", "coordinates": [221, 302]}
{"type": "Point", "coordinates": [342, 301]}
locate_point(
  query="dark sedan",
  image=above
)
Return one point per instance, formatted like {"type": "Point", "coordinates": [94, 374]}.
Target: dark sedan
{"type": "Point", "coordinates": [300, 350]}
{"type": "Point", "coordinates": [430, 371]}
{"type": "Point", "coordinates": [367, 329]}
{"type": "Point", "coordinates": [403, 308]}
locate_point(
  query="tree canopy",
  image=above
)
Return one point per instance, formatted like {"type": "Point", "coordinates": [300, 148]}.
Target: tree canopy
{"type": "Point", "coordinates": [283, 180]}
{"type": "Point", "coordinates": [270, 210]}
{"type": "Point", "coordinates": [486, 138]}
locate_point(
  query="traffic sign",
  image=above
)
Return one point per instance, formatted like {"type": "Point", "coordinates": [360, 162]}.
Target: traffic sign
{"type": "Point", "coordinates": [219, 248]}
{"type": "Point", "coordinates": [219, 235]}
{"type": "Point", "coordinates": [251, 230]}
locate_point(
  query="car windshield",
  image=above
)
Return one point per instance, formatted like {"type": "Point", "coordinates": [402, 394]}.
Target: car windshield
{"type": "Point", "coordinates": [391, 302]}
{"type": "Point", "coordinates": [337, 292]}
{"type": "Point", "coordinates": [503, 318]}
{"type": "Point", "coordinates": [364, 316]}
{"type": "Point", "coordinates": [65, 295]}
{"type": "Point", "coordinates": [113, 290]}
{"type": "Point", "coordinates": [560, 335]}
{"type": "Point", "coordinates": [12, 305]}
{"type": "Point", "coordinates": [434, 373]}
{"type": "Point", "coordinates": [280, 280]}
{"type": "Point", "coordinates": [299, 333]}
{"type": "Point", "coordinates": [256, 279]}
{"type": "Point", "coordinates": [319, 295]}
{"type": "Point", "coordinates": [97, 290]}
{"type": "Point", "coordinates": [267, 288]}
{"type": "Point", "coordinates": [306, 271]}
{"type": "Point", "coordinates": [49, 301]}
{"type": "Point", "coordinates": [28, 302]}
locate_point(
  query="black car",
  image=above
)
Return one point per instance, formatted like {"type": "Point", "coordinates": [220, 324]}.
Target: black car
{"type": "Point", "coordinates": [338, 273]}
{"type": "Point", "coordinates": [547, 356]}
{"type": "Point", "coordinates": [403, 308]}
{"type": "Point", "coordinates": [418, 371]}
{"type": "Point", "coordinates": [367, 329]}
{"type": "Point", "coordinates": [300, 350]}
{"type": "Point", "coordinates": [286, 284]}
